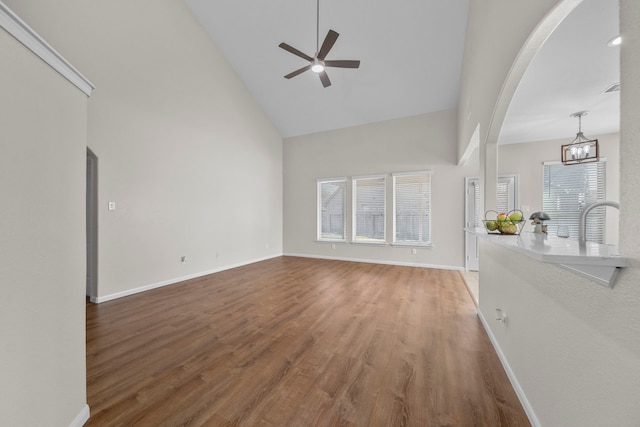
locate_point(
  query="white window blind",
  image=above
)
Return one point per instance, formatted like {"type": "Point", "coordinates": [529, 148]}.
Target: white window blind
{"type": "Point", "coordinates": [412, 208]}
{"type": "Point", "coordinates": [502, 197]}
{"type": "Point", "coordinates": [332, 209]}
{"type": "Point", "coordinates": [567, 190]}
{"type": "Point", "coordinates": [369, 209]}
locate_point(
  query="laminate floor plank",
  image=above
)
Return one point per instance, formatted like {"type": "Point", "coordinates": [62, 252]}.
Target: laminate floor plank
{"type": "Point", "coordinates": [298, 342]}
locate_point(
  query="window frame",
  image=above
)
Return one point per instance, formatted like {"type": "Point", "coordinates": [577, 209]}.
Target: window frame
{"type": "Point", "coordinates": [354, 210]}
{"type": "Point", "coordinates": [395, 241]}
{"type": "Point", "coordinates": [598, 215]}
{"type": "Point", "coordinates": [319, 209]}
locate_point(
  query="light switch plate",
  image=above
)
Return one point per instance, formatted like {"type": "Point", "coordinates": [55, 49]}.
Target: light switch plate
{"type": "Point", "coordinates": [112, 206]}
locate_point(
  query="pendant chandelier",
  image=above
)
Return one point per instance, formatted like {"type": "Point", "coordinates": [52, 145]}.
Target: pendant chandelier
{"type": "Point", "coordinates": [581, 149]}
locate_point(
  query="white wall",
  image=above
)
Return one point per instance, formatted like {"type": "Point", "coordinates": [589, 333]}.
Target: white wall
{"type": "Point", "coordinates": [424, 142]}
{"type": "Point", "coordinates": [630, 134]}
{"type": "Point", "coordinates": [42, 177]}
{"type": "Point", "coordinates": [501, 40]}
{"type": "Point", "coordinates": [526, 160]}
{"type": "Point", "coordinates": [496, 32]}
{"type": "Point", "coordinates": [192, 163]}
{"type": "Point", "coordinates": [573, 345]}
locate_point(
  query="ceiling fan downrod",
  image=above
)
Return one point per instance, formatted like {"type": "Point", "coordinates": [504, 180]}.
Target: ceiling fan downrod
{"type": "Point", "coordinates": [318, 63]}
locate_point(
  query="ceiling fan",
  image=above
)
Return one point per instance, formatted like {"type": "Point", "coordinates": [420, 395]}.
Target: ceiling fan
{"type": "Point", "coordinates": [317, 63]}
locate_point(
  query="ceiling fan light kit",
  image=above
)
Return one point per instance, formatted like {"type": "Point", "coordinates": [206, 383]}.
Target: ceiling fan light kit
{"type": "Point", "coordinates": [318, 66]}
{"type": "Point", "coordinates": [317, 63]}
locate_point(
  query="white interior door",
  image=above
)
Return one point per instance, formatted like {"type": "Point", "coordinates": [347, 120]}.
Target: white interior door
{"type": "Point", "coordinates": [471, 220]}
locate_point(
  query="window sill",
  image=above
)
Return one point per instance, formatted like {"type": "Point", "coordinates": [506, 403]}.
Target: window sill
{"type": "Point", "coordinates": [413, 245]}
{"type": "Point", "coordinates": [370, 243]}
{"type": "Point", "coordinates": [396, 245]}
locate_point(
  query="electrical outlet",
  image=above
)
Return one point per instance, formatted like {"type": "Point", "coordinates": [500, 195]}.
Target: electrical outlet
{"type": "Point", "coordinates": [183, 259]}
{"type": "Point", "coordinates": [112, 206]}
{"type": "Point", "coordinates": [414, 251]}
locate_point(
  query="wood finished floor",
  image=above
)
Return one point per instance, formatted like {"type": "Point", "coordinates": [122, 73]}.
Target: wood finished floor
{"type": "Point", "coordinates": [298, 342]}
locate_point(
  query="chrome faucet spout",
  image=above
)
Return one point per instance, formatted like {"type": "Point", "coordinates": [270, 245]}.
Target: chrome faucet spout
{"type": "Point", "coordinates": [582, 226]}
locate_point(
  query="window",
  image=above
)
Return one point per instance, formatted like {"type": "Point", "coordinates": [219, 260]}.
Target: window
{"type": "Point", "coordinates": [506, 193]}
{"type": "Point", "coordinates": [332, 208]}
{"type": "Point", "coordinates": [567, 190]}
{"type": "Point", "coordinates": [412, 208]}
{"type": "Point", "coordinates": [368, 209]}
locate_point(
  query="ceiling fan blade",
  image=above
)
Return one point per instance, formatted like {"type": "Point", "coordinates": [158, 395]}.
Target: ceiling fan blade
{"type": "Point", "coordinates": [327, 44]}
{"type": "Point", "coordinates": [342, 64]}
{"type": "Point", "coordinates": [324, 79]}
{"type": "Point", "coordinates": [295, 51]}
{"type": "Point", "coordinates": [298, 71]}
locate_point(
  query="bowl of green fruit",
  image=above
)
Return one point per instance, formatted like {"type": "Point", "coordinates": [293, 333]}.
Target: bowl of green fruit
{"type": "Point", "coordinates": [510, 223]}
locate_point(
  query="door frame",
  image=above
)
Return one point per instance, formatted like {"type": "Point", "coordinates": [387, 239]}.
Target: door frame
{"type": "Point", "coordinates": [92, 226]}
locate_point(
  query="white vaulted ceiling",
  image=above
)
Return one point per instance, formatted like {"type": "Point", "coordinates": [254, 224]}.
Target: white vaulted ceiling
{"type": "Point", "coordinates": [410, 53]}
{"type": "Point", "coordinates": [411, 56]}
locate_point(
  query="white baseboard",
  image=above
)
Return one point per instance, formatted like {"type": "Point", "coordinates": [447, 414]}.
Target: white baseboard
{"type": "Point", "coordinates": [137, 290]}
{"type": "Point", "coordinates": [148, 287]}
{"type": "Point", "coordinates": [512, 377]}
{"type": "Point", "coordinates": [81, 418]}
{"type": "Point", "coordinates": [377, 261]}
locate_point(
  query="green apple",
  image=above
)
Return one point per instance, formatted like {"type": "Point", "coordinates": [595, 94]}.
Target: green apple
{"type": "Point", "coordinates": [516, 217]}
{"type": "Point", "coordinates": [491, 225]}
{"type": "Point", "coordinates": [502, 217]}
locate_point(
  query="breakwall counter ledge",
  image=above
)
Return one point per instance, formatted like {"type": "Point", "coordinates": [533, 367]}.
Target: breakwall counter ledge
{"type": "Point", "coordinates": [594, 261]}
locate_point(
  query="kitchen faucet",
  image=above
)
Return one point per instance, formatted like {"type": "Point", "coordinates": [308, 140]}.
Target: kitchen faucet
{"type": "Point", "coordinates": [582, 226]}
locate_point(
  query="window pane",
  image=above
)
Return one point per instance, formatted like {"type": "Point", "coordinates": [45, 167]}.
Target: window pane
{"type": "Point", "coordinates": [369, 208]}
{"type": "Point", "coordinates": [332, 210]}
{"type": "Point", "coordinates": [412, 203]}
{"type": "Point", "coordinates": [567, 190]}
{"type": "Point", "coordinates": [502, 197]}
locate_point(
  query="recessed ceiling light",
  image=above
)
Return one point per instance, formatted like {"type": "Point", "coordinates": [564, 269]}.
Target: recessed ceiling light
{"type": "Point", "coordinates": [612, 88]}
{"type": "Point", "coordinates": [615, 41]}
